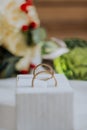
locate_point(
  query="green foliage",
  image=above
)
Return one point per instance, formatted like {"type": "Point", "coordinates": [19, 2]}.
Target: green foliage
{"type": "Point", "coordinates": [48, 47]}
{"type": "Point", "coordinates": [7, 63]}
{"type": "Point", "coordinates": [35, 36]}
{"type": "Point", "coordinates": [72, 43]}
{"type": "Point", "coordinates": [38, 35]}
{"type": "Point", "coordinates": [73, 64]}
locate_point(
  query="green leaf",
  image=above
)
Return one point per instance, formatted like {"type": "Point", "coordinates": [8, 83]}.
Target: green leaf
{"type": "Point", "coordinates": [4, 53]}
{"type": "Point", "coordinates": [38, 35]}
{"type": "Point", "coordinates": [75, 42]}
{"type": "Point", "coordinates": [49, 47]}
{"type": "Point", "coordinates": [7, 67]}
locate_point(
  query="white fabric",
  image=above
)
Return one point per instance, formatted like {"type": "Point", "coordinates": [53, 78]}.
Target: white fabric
{"type": "Point", "coordinates": [8, 87]}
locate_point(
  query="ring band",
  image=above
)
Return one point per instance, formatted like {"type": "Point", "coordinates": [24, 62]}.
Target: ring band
{"type": "Point", "coordinates": [49, 67]}
{"type": "Point", "coordinates": [48, 72]}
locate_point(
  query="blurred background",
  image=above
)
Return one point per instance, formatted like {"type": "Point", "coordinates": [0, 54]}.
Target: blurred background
{"type": "Point", "coordinates": [65, 22]}
{"type": "Point", "coordinates": [63, 18]}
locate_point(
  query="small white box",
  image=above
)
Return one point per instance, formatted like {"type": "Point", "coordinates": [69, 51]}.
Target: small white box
{"type": "Point", "coordinates": [44, 108]}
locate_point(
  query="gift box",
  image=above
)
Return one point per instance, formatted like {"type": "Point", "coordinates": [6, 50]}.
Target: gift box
{"type": "Point", "coordinates": [46, 105]}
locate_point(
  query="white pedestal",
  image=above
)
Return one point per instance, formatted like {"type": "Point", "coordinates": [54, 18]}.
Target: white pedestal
{"type": "Point", "coordinates": [45, 108]}
{"type": "Point", "coordinates": [7, 104]}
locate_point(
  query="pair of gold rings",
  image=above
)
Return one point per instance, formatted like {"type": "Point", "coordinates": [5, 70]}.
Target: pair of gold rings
{"type": "Point", "coordinates": [48, 71]}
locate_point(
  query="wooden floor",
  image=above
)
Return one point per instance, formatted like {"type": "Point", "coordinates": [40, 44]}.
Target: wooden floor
{"type": "Point", "coordinates": [63, 18]}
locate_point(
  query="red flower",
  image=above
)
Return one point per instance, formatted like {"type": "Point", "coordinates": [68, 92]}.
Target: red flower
{"type": "Point", "coordinates": [24, 72]}
{"type": "Point", "coordinates": [24, 6]}
{"type": "Point", "coordinates": [32, 66]}
{"type": "Point", "coordinates": [25, 28]}
{"type": "Point", "coordinates": [33, 25]}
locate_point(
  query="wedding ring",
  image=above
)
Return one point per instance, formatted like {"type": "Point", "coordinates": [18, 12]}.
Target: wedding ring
{"type": "Point", "coordinates": [45, 65]}
{"type": "Point", "coordinates": [48, 72]}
